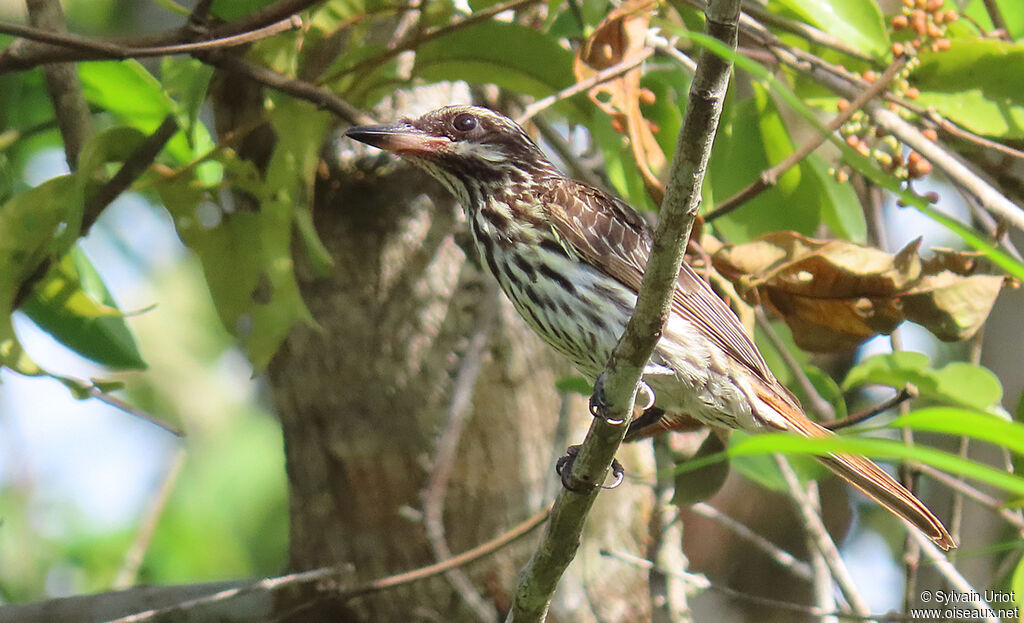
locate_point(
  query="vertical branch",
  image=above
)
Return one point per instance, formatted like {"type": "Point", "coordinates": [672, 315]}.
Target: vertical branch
{"type": "Point", "coordinates": [62, 82]}
{"type": "Point", "coordinates": [669, 603]}
{"type": "Point", "coordinates": [129, 571]}
{"type": "Point", "coordinates": [822, 541]}
{"type": "Point", "coordinates": [822, 582]}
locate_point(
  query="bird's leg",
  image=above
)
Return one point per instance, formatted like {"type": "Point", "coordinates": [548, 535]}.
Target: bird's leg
{"type": "Point", "coordinates": [563, 467]}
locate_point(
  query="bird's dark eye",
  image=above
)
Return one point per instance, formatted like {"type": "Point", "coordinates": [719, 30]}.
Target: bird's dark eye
{"type": "Point", "coordinates": [464, 122]}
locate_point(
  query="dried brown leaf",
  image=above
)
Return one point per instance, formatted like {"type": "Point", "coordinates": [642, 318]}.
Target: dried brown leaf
{"type": "Point", "coordinates": [835, 294]}
{"type": "Point", "coordinates": [619, 38]}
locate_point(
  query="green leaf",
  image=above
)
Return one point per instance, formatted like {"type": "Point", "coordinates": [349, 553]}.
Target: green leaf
{"type": "Point", "coordinates": [30, 226]}
{"type": "Point", "coordinates": [857, 23]}
{"type": "Point", "coordinates": [112, 145]}
{"type": "Point", "coordinates": [186, 80]}
{"type": "Point", "coordinates": [574, 384]}
{"type": "Point", "coordinates": [841, 210]}
{"type": "Point", "coordinates": [697, 485]}
{"type": "Point", "coordinates": [1017, 583]}
{"type": "Point", "coordinates": [738, 155]}
{"type": "Point", "coordinates": [127, 89]}
{"type": "Point", "coordinates": [964, 423]}
{"type": "Point", "coordinates": [957, 383]}
{"type": "Point", "coordinates": [74, 306]}
{"type": "Point", "coordinates": [763, 469]}
{"type": "Point", "coordinates": [879, 449]}
{"type": "Point", "coordinates": [514, 57]}
{"type": "Point", "coordinates": [969, 84]}
{"type": "Point", "coordinates": [246, 254]}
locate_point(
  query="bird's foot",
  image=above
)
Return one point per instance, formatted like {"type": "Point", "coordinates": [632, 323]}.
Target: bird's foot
{"type": "Point", "coordinates": [599, 405]}
{"type": "Point", "coordinates": [563, 467]}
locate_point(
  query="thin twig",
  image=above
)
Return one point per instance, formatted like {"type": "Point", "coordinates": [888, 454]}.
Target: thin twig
{"type": "Point", "coordinates": [757, 600]}
{"type": "Point", "coordinates": [599, 78]}
{"type": "Point", "coordinates": [778, 555]}
{"type": "Point", "coordinates": [987, 223]}
{"type": "Point", "coordinates": [953, 129]}
{"type": "Point", "coordinates": [102, 49]}
{"type": "Point", "coordinates": [823, 542]}
{"type": "Point", "coordinates": [121, 405]}
{"type": "Point", "coordinates": [129, 571]}
{"type": "Point", "coordinates": [617, 386]}
{"type": "Point", "coordinates": [955, 579]}
{"type": "Point", "coordinates": [849, 86]}
{"type": "Point", "coordinates": [459, 411]}
{"type": "Point", "coordinates": [1011, 516]}
{"type": "Point", "coordinates": [823, 584]}
{"type": "Point", "coordinates": [821, 407]}
{"type": "Point", "coordinates": [908, 477]}
{"type": "Point", "coordinates": [998, 21]}
{"type": "Point", "coordinates": [770, 177]}
{"type": "Point", "coordinates": [956, 513]}
{"type": "Point", "coordinates": [298, 88]}
{"type": "Point", "coordinates": [905, 394]}
{"type": "Point", "coordinates": [272, 585]}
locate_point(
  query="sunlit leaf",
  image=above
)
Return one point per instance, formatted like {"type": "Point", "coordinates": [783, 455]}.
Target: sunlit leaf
{"type": "Point", "coordinates": [957, 383]}
{"type": "Point", "coordinates": [857, 23]}
{"type": "Point", "coordinates": [965, 423]}
{"type": "Point", "coordinates": [878, 449]}
{"type": "Point", "coordinates": [74, 306]}
{"type": "Point", "coordinates": [968, 84]}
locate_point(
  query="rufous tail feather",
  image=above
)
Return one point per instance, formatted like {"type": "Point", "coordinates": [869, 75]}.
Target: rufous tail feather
{"type": "Point", "coordinates": [869, 478]}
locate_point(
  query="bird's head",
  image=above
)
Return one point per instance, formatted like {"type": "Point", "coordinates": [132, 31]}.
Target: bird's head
{"type": "Point", "coordinates": [462, 146]}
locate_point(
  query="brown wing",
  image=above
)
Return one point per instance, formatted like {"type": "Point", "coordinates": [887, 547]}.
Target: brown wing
{"type": "Point", "coordinates": [614, 238]}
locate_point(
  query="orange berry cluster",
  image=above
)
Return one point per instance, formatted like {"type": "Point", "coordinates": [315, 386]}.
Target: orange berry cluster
{"type": "Point", "coordinates": [927, 19]}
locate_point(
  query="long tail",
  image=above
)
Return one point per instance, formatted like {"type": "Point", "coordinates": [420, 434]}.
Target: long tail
{"type": "Point", "coordinates": [883, 488]}
{"type": "Point", "coordinates": [869, 478]}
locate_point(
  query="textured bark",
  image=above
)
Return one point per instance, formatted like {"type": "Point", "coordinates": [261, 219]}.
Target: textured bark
{"type": "Point", "coordinates": [363, 398]}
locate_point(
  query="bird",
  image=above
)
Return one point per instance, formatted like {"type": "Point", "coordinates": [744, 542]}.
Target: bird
{"type": "Point", "coordinates": [570, 258]}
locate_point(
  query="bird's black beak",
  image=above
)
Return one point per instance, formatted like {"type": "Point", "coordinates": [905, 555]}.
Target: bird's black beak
{"type": "Point", "coordinates": [400, 139]}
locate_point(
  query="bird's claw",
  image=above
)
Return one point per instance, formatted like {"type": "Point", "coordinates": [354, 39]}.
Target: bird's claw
{"type": "Point", "coordinates": [599, 406]}
{"type": "Point", "coordinates": [644, 396]}
{"type": "Point", "coordinates": [563, 467]}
